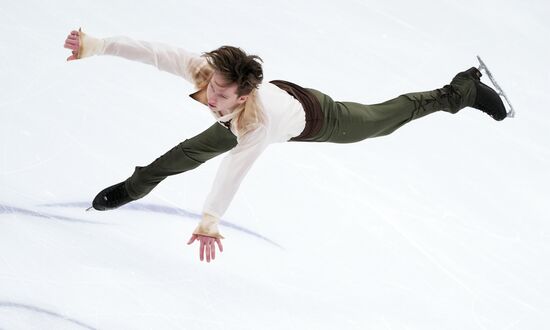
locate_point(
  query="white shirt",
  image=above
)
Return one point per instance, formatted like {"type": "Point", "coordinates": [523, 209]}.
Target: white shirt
{"type": "Point", "coordinates": [285, 116]}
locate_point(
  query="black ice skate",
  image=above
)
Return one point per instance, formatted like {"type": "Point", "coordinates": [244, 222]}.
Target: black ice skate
{"type": "Point", "coordinates": [510, 112]}
{"type": "Point", "coordinates": [487, 99]}
{"type": "Point", "coordinates": [111, 198]}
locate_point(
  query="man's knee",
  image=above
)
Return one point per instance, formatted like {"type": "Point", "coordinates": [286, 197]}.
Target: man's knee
{"type": "Point", "coordinates": [209, 144]}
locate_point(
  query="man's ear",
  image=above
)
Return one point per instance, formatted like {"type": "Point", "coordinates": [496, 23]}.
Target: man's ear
{"type": "Point", "coordinates": [242, 99]}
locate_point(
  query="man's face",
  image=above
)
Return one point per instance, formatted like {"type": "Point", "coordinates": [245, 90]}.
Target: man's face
{"type": "Point", "coordinates": [222, 97]}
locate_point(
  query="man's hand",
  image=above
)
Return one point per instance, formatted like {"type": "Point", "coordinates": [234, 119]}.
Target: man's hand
{"type": "Point", "coordinates": [207, 245]}
{"type": "Point", "coordinates": [73, 43]}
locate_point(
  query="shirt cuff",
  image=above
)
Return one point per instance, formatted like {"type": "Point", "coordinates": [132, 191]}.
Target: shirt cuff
{"type": "Point", "coordinates": [208, 226]}
{"type": "Point", "coordinates": [89, 46]}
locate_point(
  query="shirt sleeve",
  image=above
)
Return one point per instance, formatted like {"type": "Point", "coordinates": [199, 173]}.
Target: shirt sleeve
{"type": "Point", "coordinates": [164, 57]}
{"type": "Point", "coordinates": [233, 169]}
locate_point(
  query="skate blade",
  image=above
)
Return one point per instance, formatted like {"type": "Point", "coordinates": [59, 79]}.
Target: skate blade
{"type": "Point", "coordinates": [91, 208]}
{"type": "Point", "coordinates": [510, 112]}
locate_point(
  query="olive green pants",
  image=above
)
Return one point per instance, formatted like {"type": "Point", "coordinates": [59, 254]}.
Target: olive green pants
{"type": "Point", "coordinates": [186, 156]}
{"type": "Point", "coordinates": [348, 122]}
{"type": "Point", "coordinates": [344, 122]}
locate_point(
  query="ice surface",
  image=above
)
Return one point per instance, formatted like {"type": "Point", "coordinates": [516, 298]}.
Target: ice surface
{"type": "Point", "coordinates": [442, 225]}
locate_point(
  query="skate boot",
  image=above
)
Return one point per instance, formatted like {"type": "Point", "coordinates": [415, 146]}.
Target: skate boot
{"type": "Point", "coordinates": [112, 197]}
{"type": "Point", "coordinates": [486, 99]}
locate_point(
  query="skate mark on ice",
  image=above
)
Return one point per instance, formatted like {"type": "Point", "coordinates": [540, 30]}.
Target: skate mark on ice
{"type": "Point", "coordinates": [30, 308]}
{"type": "Point", "coordinates": [6, 209]}
{"type": "Point", "coordinates": [156, 208]}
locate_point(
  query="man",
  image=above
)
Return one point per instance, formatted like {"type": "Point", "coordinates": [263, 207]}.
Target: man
{"type": "Point", "coordinates": [251, 115]}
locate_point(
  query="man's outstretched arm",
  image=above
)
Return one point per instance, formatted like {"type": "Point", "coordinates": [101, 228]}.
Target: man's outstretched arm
{"type": "Point", "coordinates": [231, 173]}
{"type": "Point", "coordinates": [164, 57]}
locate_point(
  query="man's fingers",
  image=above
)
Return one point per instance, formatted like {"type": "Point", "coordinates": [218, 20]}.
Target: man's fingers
{"type": "Point", "coordinates": [207, 246]}
{"type": "Point", "coordinates": [192, 239]}
{"type": "Point", "coordinates": [208, 252]}
{"type": "Point", "coordinates": [68, 45]}
{"type": "Point", "coordinates": [213, 249]}
{"type": "Point", "coordinates": [71, 44]}
{"type": "Point", "coordinates": [201, 249]}
{"type": "Point", "coordinates": [220, 246]}
{"type": "Point", "coordinates": [71, 41]}
{"type": "Point", "coordinates": [73, 48]}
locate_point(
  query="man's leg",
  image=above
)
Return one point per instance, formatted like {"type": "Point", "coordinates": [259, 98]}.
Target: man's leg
{"type": "Point", "coordinates": [360, 121]}
{"type": "Point", "coordinates": [184, 157]}
{"type": "Point", "coordinates": [347, 122]}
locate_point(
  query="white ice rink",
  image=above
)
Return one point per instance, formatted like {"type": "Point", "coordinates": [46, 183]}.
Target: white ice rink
{"type": "Point", "coordinates": [444, 224]}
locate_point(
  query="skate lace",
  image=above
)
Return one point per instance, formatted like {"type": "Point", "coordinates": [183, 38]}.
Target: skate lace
{"type": "Point", "coordinates": [444, 98]}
